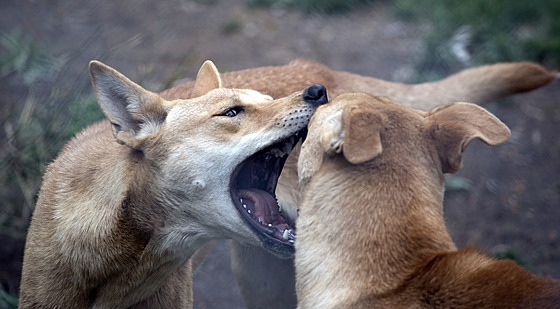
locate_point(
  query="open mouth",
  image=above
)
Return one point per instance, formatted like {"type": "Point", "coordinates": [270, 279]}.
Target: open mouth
{"type": "Point", "coordinates": [253, 187]}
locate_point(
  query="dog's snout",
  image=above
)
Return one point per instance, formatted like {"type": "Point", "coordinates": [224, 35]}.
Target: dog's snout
{"type": "Point", "coordinates": [316, 94]}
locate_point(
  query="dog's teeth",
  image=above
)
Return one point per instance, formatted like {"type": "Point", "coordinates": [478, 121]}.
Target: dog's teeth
{"type": "Point", "coordinates": [293, 140]}
{"type": "Point", "coordinates": [285, 234]}
{"type": "Point", "coordinates": [291, 241]}
{"type": "Point", "coordinates": [287, 148]}
{"type": "Point", "coordinates": [244, 206]}
{"type": "Point", "coordinates": [277, 152]}
{"type": "Point", "coordinates": [241, 200]}
{"type": "Point", "coordinates": [249, 210]}
{"type": "Point", "coordinates": [269, 225]}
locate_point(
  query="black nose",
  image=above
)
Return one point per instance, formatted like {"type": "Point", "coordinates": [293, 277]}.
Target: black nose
{"type": "Point", "coordinates": [316, 95]}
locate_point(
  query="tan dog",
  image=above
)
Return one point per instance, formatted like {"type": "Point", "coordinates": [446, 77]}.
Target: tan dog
{"type": "Point", "coordinates": [268, 282]}
{"type": "Point", "coordinates": [371, 232]}
{"type": "Point", "coordinates": [129, 200]}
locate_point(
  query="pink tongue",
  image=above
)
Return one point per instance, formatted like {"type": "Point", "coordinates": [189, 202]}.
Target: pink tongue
{"type": "Point", "coordinates": [265, 206]}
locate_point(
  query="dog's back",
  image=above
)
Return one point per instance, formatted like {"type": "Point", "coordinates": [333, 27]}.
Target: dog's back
{"type": "Point", "coordinates": [478, 85]}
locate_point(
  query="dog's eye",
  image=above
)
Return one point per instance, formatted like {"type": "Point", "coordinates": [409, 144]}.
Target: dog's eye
{"type": "Point", "coordinates": [232, 112]}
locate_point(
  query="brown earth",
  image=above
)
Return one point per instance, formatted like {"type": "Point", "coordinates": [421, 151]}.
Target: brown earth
{"type": "Point", "coordinates": [511, 206]}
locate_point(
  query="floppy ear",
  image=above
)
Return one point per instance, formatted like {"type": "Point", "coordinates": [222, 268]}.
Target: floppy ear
{"type": "Point", "coordinates": [362, 140]}
{"type": "Point", "coordinates": [455, 125]}
{"type": "Point", "coordinates": [133, 111]}
{"type": "Point", "coordinates": [207, 79]}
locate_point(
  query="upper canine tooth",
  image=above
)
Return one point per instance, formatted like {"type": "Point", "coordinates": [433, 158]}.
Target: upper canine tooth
{"type": "Point", "coordinates": [285, 234]}
{"type": "Point", "coordinates": [292, 235]}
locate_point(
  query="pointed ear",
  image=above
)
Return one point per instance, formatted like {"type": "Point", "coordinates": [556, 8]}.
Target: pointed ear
{"type": "Point", "coordinates": [207, 79]}
{"type": "Point", "coordinates": [362, 140]}
{"type": "Point", "coordinates": [455, 125]}
{"type": "Point", "coordinates": [133, 111]}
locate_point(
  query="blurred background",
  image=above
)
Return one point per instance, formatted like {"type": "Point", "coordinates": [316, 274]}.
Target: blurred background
{"type": "Point", "coordinates": [506, 199]}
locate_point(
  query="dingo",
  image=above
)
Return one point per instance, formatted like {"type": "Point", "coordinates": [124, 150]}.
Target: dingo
{"type": "Point", "coordinates": [129, 200]}
{"type": "Point", "coordinates": [371, 232]}
{"type": "Point", "coordinates": [267, 282]}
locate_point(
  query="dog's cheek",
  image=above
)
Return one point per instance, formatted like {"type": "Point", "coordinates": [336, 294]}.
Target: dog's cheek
{"type": "Point", "coordinates": [178, 174]}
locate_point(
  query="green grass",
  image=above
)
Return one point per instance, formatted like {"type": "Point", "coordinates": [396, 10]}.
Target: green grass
{"type": "Point", "coordinates": [24, 58]}
{"type": "Point", "coordinates": [512, 254]}
{"type": "Point", "coordinates": [36, 122]}
{"type": "Point", "coordinates": [8, 300]}
{"type": "Point", "coordinates": [489, 32]}
{"type": "Point", "coordinates": [314, 6]}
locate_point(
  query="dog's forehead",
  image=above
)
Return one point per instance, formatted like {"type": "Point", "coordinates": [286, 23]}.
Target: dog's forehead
{"type": "Point", "coordinates": [218, 98]}
{"type": "Point", "coordinates": [246, 96]}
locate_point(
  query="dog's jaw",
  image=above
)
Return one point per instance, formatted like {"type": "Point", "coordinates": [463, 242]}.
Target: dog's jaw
{"type": "Point", "coordinates": [252, 188]}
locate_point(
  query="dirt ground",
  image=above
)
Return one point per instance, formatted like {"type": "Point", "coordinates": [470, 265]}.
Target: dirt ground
{"type": "Point", "coordinates": [511, 204]}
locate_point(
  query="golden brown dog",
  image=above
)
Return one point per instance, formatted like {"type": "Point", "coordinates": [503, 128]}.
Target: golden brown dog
{"type": "Point", "coordinates": [268, 282]}
{"type": "Point", "coordinates": [129, 200]}
{"type": "Point", "coordinates": [371, 232]}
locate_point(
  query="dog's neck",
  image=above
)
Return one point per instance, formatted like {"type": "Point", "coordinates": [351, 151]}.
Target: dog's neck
{"type": "Point", "coordinates": [151, 233]}
{"type": "Point", "coordinates": [371, 228]}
